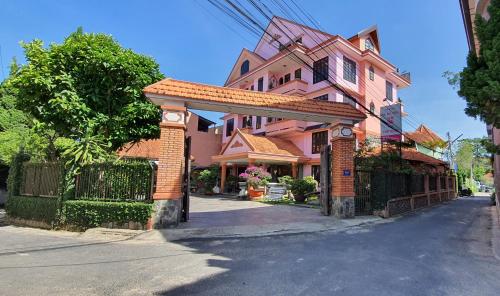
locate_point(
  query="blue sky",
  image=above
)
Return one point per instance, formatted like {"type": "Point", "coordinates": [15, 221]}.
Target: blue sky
{"type": "Point", "coordinates": [425, 37]}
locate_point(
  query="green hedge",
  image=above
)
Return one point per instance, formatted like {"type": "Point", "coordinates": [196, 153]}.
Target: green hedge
{"type": "Point", "coordinates": [32, 208]}
{"type": "Point", "coordinates": [87, 214]}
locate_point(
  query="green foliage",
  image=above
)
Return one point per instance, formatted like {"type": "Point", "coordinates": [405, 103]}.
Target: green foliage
{"type": "Point", "coordinates": [89, 85]}
{"type": "Point", "coordinates": [208, 178]}
{"type": "Point", "coordinates": [33, 208]}
{"type": "Point", "coordinates": [472, 159]}
{"type": "Point", "coordinates": [287, 180]}
{"type": "Point", "coordinates": [480, 80]}
{"type": "Point", "coordinates": [301, 187]}
{"type": "Point", "coordinates": [15, 173]}
{"type": "Point", "coordinates": [86, 214]}
{"type": "Point", "coordinates": [87, 150]}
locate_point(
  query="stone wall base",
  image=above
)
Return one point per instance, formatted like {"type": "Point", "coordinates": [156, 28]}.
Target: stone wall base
{"type": "Point", "coordinates": [343, 207]}
{"type": "Point", "coordinates": [29, 223]}
{"type": "Point", "coordinates": [167, 213]}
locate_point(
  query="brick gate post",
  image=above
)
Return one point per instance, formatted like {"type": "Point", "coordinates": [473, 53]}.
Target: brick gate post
{"type": "Point", "coordinates": [168, 195]}
{"type": "Point", "coordinates": [343, 171]}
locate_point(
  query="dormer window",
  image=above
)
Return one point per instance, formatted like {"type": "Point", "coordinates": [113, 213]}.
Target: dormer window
{"type": "Point", "coordinates": [369, 44]}
{"type": "Point", "coordinates": [371, 73]}
{"type": "Point", "coordinates": [245, 67]}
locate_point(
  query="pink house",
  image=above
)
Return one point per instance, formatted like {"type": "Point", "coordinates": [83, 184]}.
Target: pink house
{"type": "Point", "coordinates": [291, 147]}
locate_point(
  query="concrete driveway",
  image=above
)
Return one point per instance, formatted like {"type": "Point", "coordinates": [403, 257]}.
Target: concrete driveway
{"type": "Point", "coordinates": [222, 217]}
{"type": "Point", "coordinates": [217, 211]}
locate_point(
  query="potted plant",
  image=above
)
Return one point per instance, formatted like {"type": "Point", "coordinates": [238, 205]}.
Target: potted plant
{"type": "Point", "coordinates": [256, 179]}
{"type": "Point", "coordinates": [301, 187]}
{"type": "Point", "coordinates": [208, 178]}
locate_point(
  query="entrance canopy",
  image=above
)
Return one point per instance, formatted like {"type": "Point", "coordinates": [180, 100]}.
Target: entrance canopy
{"type": "Point", "coordinates": [244, 148]}
{"type": "Point", "coordinates": [229, 100]}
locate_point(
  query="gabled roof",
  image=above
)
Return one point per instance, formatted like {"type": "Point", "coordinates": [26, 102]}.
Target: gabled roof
{"type": "Point", "coordinates": [423, 134]}
{"type": "Point", "coordinates": [259, 102]}
{"type": "Point", "coordinates": [244, 54]}
{"type": "Point", "coordinates": [411, 154]}
{"type": "Point", "coordinates": [372, 32]}
{"type": "Point", "coordinates": [266, 145]}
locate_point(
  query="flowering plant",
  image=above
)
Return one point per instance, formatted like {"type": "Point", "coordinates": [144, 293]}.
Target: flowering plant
{"type": "Point", "coordinates": [256, 176]}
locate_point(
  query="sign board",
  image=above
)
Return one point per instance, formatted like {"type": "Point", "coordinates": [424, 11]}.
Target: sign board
{"type": "Point", "coordinates": [392, 115]}
{"type": "Point", "coordinates": [347, 173]}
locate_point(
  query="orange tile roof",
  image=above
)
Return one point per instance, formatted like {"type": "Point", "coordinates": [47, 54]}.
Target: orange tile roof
{"type": "Point", "coordinates": [271, 145]}
{"type": "Point", "coordinates": [412, 154]}
{"type": "Point", "coordinates": [423, 134]}
{"type": "Point", "coordinates": [216, 94]}
{"type": "Point", "coordinates": [149, 149]}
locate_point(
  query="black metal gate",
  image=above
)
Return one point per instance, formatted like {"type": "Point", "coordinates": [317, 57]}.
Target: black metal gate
{"type": "Point", "coordinates": [362, 188]}
{"type": "Point", "coordinates": [325, 178]}
{"type": "Point", "coordinates": [186, 184]}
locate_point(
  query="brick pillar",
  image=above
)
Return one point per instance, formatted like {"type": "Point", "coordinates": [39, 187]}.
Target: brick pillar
{"type": "Point", "coordinates": [294, 170]}
{"type": "Point", "coordinates": [168, 195]}
{"type": "Point", "coordinates": [343, 148]}
{"type": "Point", "coordinates": [223, 171]}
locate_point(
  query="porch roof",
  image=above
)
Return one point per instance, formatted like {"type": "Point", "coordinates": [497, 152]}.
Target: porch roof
{"type": "Point", "coordinates": [231, 100]}
{"type": "Point", "coordinates": [242, 145]}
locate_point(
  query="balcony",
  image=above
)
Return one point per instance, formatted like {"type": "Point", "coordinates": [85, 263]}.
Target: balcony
{"type": "Point", "coordinates": [295, 87]}
{"type": "Point", "coordinates": [285, 127]}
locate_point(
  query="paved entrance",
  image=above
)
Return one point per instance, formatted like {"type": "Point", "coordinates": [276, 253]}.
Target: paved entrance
{"type": "Point", "coordinates": [220, 211]}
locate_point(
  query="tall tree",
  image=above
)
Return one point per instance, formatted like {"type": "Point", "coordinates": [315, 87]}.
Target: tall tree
{"type": "Point", "coordinates": [89, 85]}
{"type": "Point", "coordinates": [480, 80]}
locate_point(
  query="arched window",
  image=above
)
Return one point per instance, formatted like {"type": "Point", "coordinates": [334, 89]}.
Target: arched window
{"type": "Point", "coordinates": [245, 67]}
{"type": "Point", "coordinates": [372, 108]}
{"type": "Point", "coordinates": [369, 44]}
{"type": "Point", "coordinates": [371, 73]}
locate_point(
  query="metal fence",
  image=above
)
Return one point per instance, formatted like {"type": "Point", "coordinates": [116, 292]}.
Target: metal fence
{"type": "Point", "coordinates": [115, 181]}
{"type": "Point", "coordinates": [41, 179]}
{"type": "Point", "coordinates": [362, 199]}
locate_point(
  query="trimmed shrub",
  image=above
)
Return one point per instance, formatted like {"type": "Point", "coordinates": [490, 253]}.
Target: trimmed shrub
{"type": "Point", "coordinates": [15, 173]}
{"type": "Point", "coordinates": [87, 214]}
{"type": "Point", "coordinates": [42, 209]}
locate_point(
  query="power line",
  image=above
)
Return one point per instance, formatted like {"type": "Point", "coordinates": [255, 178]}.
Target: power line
{"type": "Point", "coordinates": [254, 22]}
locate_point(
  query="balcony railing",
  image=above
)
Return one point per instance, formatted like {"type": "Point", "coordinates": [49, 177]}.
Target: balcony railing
{"type": "Point", "coordinates": [292, 87]}
{"type": "Point", "coordinates": [284, 127]}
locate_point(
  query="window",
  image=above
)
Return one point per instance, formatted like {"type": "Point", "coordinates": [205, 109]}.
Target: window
{"type": "Point", "coordinates": [349, 70]}
{"type": "Point", "coordinates": [372, 108]}
{"type": "Point", "coordinates": [287, 77]}
{"type": "Point", "coordinates": [320, 70]}
{"type": "Point", "coordinates": [388, 91]}
{"type": "Point", "coordinates": [348, 100]}
{"type": "Point", "coordinates": [322, 97]}
{"type": "Point", "coordinates": [245, 67]}
{"type": "Point", "coordinates": [319, 140]}
{"type": "Point", "coordinates": [316, 172]}
{"type": "Point", "coordinates": [258, 122]}
{"type": "Point", "coordinates": [251, 87]}
{"type": "Point", "coordinates": [247, 121]}
{"type": "Point", "coordinates": [298, 74]}
{"type": "Point", "coordinates": [229, 127]}
{"type": "Point", "coordinates": [280, 81]}
{"type": "Point", "coordinates": [260, 84]}
{"type": "Point", "coordinates": [269, 119]}
{"type": "Point", "coordinates": [371, 73]}
{"type": "Point", "coordinates": [203, 125]}
{"type": "Point", "coordinates": [369, 44]}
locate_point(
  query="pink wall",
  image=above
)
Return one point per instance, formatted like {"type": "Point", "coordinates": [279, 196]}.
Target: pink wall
{"type": "Point", "coordinates": [203, 144]}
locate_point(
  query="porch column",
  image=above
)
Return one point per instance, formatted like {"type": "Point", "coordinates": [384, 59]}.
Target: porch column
{"type": "Point", "coordinates": [294, 170]}
{"type": "Point", "coordinates": [251, 162]}
{"type": "Point", "coordinates": [426, 189]}
{"type": "Point", "coordinates": [235, 170]}
{"type": "Point", "coordinates": [168, 195]}
{"type": "Point", "coordinates": [223, 171]}
{"type": "Point", "coordinates": [343, 148]}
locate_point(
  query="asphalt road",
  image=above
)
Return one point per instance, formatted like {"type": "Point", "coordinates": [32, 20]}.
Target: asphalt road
{"type": "Point", "coordinates": [440, 251]}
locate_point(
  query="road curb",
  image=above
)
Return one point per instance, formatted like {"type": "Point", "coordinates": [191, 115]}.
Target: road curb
{"type": "Point", "coordinates": [495, 229]}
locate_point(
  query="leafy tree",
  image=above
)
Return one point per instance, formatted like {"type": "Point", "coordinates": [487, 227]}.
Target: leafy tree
{"type": "Point", "coordinates": [479, 82]}
{"type": "Point", "coordinates": [89, 86]}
